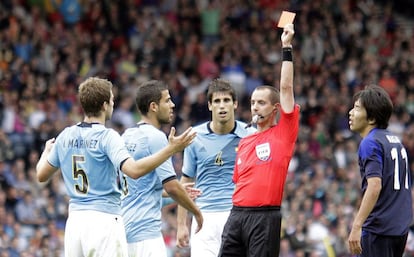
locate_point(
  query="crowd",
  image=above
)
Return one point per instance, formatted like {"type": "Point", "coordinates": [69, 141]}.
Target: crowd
{"type": "Point", "coordinates": [48, 47]}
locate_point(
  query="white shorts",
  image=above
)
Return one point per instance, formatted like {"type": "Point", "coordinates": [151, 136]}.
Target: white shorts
{"type": "Point", "coordinates": [154, 247]}
{"type": "Point", "coordinates": [206, 243]}
{"type": "Point", "coordinates": [95, 234]}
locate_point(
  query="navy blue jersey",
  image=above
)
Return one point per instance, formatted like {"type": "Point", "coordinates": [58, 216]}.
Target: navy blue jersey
{"type": "Point", "coordinates": [381, 154]}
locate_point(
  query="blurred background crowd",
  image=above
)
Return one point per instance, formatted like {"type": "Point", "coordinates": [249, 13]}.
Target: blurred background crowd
{"type": "Point", "coordinates": [47, 47]}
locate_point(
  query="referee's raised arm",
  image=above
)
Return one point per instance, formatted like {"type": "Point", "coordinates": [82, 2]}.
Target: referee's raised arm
{"type": "Point", "coordinates": [287, 100]}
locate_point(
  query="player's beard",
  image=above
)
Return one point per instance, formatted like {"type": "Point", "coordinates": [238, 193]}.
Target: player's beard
{"type": "Point", "coordinates": [165, 120]}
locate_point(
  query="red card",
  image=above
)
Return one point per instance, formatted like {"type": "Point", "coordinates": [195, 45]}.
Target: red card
{"type": "Point", "coordinates": [286, 18]}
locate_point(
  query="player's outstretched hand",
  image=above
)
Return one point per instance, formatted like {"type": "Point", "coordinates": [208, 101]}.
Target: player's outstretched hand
{"type": "Point", "coordinates": [182, 141]}
{"type": "Point", "coordinates": [192, 192]}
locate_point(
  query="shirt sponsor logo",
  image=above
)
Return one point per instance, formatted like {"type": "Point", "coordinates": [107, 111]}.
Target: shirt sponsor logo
{"type": "Point", "coordinates": [263, 151]}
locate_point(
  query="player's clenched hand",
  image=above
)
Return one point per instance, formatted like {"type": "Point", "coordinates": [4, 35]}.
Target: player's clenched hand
{"type": "Point", "coordinates": [182, 141]}
{"type": "Point", "coordinates": [49, 144]}
{"type": "Point", "coordinates": [183, 237]}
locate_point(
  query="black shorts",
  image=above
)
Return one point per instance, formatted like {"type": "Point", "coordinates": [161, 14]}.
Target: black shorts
{"type": "Point", "coordinates": [252, 232]}
{"type": "Point", "coordinates": [382, 246]}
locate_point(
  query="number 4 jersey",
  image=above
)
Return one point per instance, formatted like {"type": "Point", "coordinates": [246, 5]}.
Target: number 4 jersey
{"type": "Point", "coordinates": [89, 156]}
{"type": "Point", "coordinates": [381, 154]}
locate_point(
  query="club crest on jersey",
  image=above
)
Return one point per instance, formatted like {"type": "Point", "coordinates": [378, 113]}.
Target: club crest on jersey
{"type": "Point", "coordinates": [263, 151]}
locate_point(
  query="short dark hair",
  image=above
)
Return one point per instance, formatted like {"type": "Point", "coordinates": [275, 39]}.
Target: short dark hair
{"type": "Point", "coordinates": [148, 92]}
{"type": "Point", "coordinates": [377, 104]}
{"type": "Point", "coordinates": [220, 85]}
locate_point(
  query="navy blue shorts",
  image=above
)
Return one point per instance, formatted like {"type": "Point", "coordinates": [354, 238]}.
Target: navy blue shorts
{"type": "Point", "coordinates": [374, 245]}
{"type": "Point", "coordinates": [252, 232]}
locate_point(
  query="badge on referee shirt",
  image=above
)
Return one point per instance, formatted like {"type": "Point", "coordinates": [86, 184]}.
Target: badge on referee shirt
{"type": "Point", "coordinates": [263, 151]}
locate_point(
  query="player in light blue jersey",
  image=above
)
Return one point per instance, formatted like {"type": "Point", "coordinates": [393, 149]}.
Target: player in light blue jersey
{"type": "Point", "coordinates": [89, 156]}
{"type": "Point", "coordinates": [141, 207]}
{"type": "Point", "coordinates": [209, 161]}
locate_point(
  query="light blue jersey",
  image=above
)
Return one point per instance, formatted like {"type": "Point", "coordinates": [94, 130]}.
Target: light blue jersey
{"type": "Point", "coordinates": [89, 156]}
{"type": "Point", "coordinates": [210, 161]}
{"type": "Point", "coordinates": [141, 207]}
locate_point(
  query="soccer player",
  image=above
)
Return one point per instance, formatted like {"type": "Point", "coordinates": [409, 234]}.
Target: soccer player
{"type": "Point", "coordinates": [89, 156]}
{"type": "Point", "coordinates": [381, 225]}
{"type": "Point", "coordinates": [209, 161]}
{"type": "Point", "coordinates": [141, 208]}
{"type": "Point", "coordinates": [253, 227]}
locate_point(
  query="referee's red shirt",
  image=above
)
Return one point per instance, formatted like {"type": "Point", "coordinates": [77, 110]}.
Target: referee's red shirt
{"type": "Point", "coordinates": [262, 162]}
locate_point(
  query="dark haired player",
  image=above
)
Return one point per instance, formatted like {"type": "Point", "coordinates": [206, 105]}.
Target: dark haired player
{"type": "Point", "coordinates": [380, 227]}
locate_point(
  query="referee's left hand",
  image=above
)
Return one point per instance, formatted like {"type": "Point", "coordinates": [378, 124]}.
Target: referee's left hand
{"type": "Point", "coordinates": [287, 35]}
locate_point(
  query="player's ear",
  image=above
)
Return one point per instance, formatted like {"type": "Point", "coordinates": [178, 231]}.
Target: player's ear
{"type": "Point", "coordinates": [153, 106]}
{"type": "Point", "coordinates": [209, 106]}
{"type": "Point", "coordinates": [105, 106]}
{"type": "Point", "coordinates": [371, 121]}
